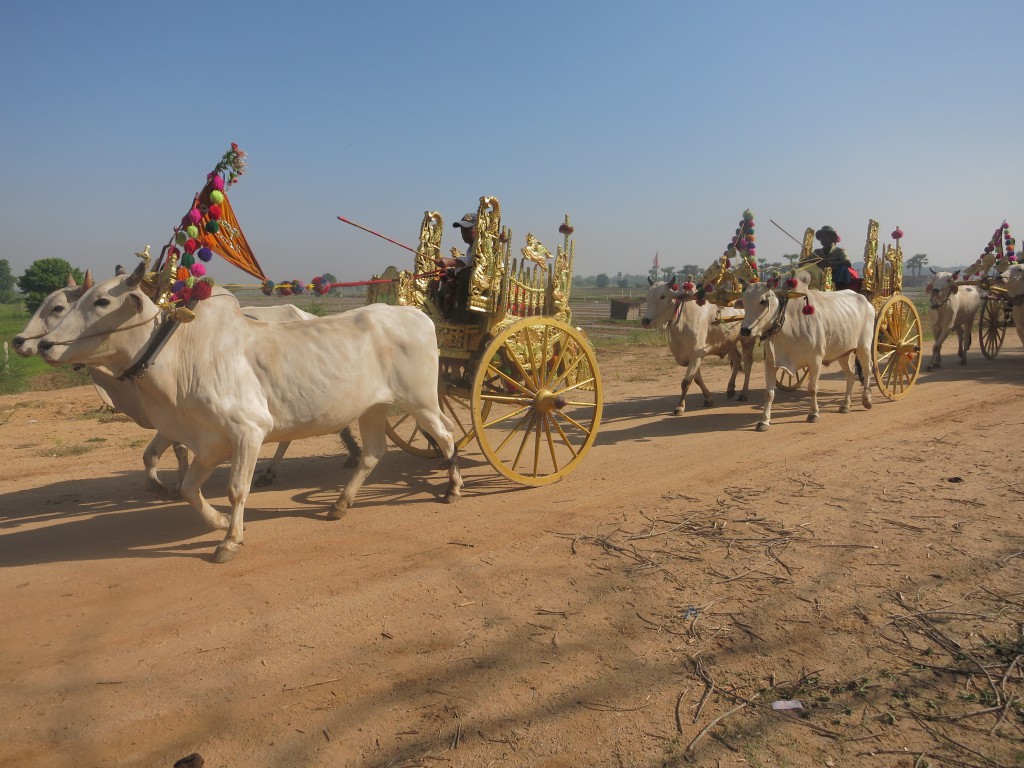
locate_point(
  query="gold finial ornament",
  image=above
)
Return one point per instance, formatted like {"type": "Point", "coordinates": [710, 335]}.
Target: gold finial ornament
{"type": "Point", "coordinates": [536, 252]}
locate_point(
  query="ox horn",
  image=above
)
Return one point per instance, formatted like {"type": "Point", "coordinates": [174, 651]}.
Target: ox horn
{"type": "Point", "coordinates": [88, 282]}
{"type": "Point", "coordinates": [71, 281]}
{"type": "Point", "coordinates": [135, 278]}
{"type": "Point", "coordinates": [932, 271]}
{"type": "Point", "coordinates": [650, 281]}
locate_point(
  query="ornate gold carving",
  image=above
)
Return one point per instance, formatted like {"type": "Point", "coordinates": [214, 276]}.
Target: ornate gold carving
{"type": "Point", "coordinates": [428, 255]}
{"type": "Point", "coordinates": [869, 279]}
{"type": "Point", "coordinates": [536, 252]}
{"type": "Point", "coordinates": [485, 252]}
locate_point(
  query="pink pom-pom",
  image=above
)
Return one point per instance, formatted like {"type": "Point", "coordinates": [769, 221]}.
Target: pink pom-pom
{"type": "Point", "coordinates": [897, 233]}
{"type": "Point", "coordinates": [195, 216]}
{"type": "Point", "coordinates": [217, 182]}
{"type": "Point", "coordinates": [792, 282]}
{"type": "Point", "coordinates": [808, 309]}
{"type": "Point", "coordinates": [689, 287]}
{"type": "Point", "coordinates": [198, 270]}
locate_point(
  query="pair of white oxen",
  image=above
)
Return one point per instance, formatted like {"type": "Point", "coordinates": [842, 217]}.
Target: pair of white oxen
{"type": "Point", "coordinates": [841, 324]}
{"type": "Point", "coordinates": [224, 384]}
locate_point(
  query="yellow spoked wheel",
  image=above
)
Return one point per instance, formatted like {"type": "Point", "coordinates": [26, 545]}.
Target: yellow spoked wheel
{"type": "Point", "coordinates": [897, 347]}
{"type": "Point", "coordinates": [407, 435]}
{"type": "Point", "coordinates": [991, 326]}
{"type": "Point", "coordinates": [787, 382]}
{"type": "Point", "coordinates": [537, 400]}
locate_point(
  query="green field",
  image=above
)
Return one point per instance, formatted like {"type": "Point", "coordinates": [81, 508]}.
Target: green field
{"type": "Point", "coordinates": [21, 374]}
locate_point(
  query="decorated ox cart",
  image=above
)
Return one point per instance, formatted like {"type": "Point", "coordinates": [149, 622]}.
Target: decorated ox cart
{"type": "Point", "coordinates": [896, 347]}
{"type": "Point", "coordinates": [996, 313]}
{"type": "Point", "coordinates": [516, 376]}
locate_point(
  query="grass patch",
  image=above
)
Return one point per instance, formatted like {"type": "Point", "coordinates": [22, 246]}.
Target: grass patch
{"type": "Point", "coordinates": [62, 450]}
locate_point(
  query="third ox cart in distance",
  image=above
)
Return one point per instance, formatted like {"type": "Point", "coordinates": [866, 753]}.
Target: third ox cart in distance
{"type": "Point", "coordinates": [997, 305]}
{"type": "Point", "coordinates": [897, 341]}
{"type": "Point", "coordinates": [516, 375]}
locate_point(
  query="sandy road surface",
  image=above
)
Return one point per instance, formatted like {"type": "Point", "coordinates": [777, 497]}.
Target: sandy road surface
{"type": "Point", "coordinates": [690, 570]}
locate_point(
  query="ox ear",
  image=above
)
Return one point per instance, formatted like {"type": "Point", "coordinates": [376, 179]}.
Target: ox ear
{"type": "Point", "coordinates": [956, 275]}
{"type": "Point", "coordinates": [738, 304]}
{"type": "Point", "coordinates": [135, 278]}
{"type": "Point", "coordinates": [136, 301]}
{"type": "Point", "coordinates": [954, 288]}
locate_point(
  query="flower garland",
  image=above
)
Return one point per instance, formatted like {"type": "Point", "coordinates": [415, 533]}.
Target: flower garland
{"type": "Point", "coordinates": [189, 249]}
{"type": "Point", "coordinates": [320, 285]}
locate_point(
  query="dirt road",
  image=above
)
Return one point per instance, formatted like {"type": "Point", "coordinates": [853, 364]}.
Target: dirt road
{"type": "Point", "coordinates": [689, 574]}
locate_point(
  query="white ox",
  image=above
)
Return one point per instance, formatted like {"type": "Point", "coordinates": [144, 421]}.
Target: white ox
{"type": "Point", "coordinates": [1014, 281]}
{"type": "Point", "coordinates": [224, 384]}
{"type": "Point", "coordinates": [842, 322]}
{"type": "Point", "coordinates": [121, 396]}
{"type": "Point", "coordinates": [116, 394]}
{"type": "Point", "coordinates": [696, 331]}
{"type": "Point", "coordinates": [953, 308]}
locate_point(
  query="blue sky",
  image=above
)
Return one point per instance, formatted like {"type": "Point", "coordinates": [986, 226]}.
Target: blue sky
{"type": "Point", "coordinates": [653, 124]}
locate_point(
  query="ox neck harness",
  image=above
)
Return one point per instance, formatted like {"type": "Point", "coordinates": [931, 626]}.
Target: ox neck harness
{"type": "Point", "coordinates": [156, 342]}
{"type": "Point", "coordinates": [779, 319]}
{"type": "Point", "coordinates": [938, 305]}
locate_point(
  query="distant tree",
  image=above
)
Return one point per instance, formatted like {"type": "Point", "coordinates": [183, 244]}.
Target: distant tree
{"type": "Point", "coordinates": [791, 259]}
{"type": "Point", "coordinates": [601, 281]}
{"type": "Point", "coordinates": [43, 277]}
{"type": "Point", "coordinates": [621, 281]}
{"type": "Point", "coordinates": [6, 282]}
{"type": "Point", "coordinates": [668, 274]}
{"type": "Point", "coordinates": [693, 271]}
{"type": "Point", "coordinates": [332, 279]}
{"type": "Point", "coordinates": [917, 262]}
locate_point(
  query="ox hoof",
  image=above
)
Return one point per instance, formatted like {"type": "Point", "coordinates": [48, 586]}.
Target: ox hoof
{"type": "Point", "coordinates": [678, 411]}
{"type": "Point", "coordinates": [866, 402]}
{"type": "Point", "coordinates": [812, 418]}
{"type": "Point", "coordinates": [451, 498]}
{"type": "Point", "coordinates": [337, 511]}
{"type": "Point", "coordinates": [844, 409]}
{"type": "Point", "coordinates": [963, 361]}
{"type": "Point", "coordinates": [730, 394]}
{"type": "Point", "coordinates": [225, 552]}
{"type": "Point", "coordinates": [762, 426]}
{"type": "Point", "coordinates": [708, 403]}
{"type": "Point", "coordinates": [743, 398]}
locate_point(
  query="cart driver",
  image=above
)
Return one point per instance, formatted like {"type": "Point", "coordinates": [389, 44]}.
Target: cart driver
{"type": "Point", "coordinates": [830, 255]}
{"type": "Point", "coordinates": [454, 285]}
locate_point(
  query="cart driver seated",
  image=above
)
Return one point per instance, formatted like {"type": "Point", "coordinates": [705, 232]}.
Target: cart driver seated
{"type": "Point", "coordinates": [830, 255]}
{"type": "Point", "coordinates": [453, 290]}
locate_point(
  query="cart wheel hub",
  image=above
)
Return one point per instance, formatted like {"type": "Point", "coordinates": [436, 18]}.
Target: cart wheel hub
{"type": "Point", "coordinates": [548, 401]}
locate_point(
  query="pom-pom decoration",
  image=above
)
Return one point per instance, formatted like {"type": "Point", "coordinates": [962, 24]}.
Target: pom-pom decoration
{"type": "Point", "coordinates": [202, 289]}
{"type": "Point", "coordinates": [216, 197]}
{"type": "Point", "coordinates": [198, 269]}
{"type": "Point", "coordinates": [213, 227]}
{"type": "Point", "coordinates": [214, 212]}
{"type": "Point", "coordinates": [268, 287]}
{"type": "Point", "coordinates": [792, 282]}
{"type": "Point", "coordinates": [808, 309]}
{"type": "Point", "coordinates": [566, 229]}
{"type": "Point", "coordinates": [897, 233]}
{"type": "Point", "coordinates": [204, 254]}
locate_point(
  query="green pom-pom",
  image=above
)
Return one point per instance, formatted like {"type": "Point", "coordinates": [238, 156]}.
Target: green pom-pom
{"type": "Point", "coordinates": [747, 215]}
{"type": "Point", "coordinates": [213, 227]}
{"type": "Point", "coordinates": [191, 281]}
{"type": "Point", "coordinates": [193, 230]}
{"type": "Point", "coordinates": [216, 197]}
{"type": "Point", "coordinates": [187, 260]}
{"type": "Point", "coordinates": [180, 237]}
